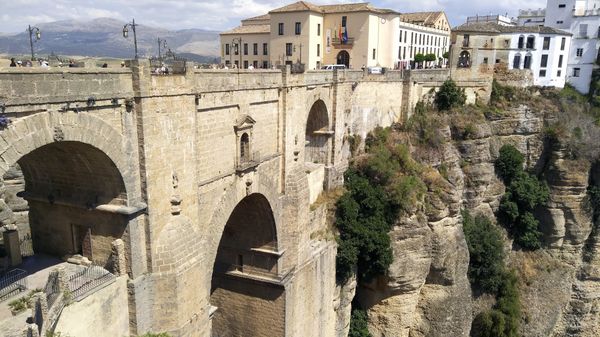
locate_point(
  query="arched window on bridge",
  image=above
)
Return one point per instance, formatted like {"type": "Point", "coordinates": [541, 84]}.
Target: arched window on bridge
{"type": "Point", "coordinates": [244, 148]}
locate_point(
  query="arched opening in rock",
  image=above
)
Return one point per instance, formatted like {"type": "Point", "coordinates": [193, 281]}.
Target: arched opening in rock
{"type": "Point", "coordinates": [246, 288]}
{"type": "Point", "coordinates": [63, 199]}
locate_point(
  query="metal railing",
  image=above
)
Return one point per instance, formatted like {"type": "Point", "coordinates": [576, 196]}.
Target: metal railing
{"type": "Point", "coordinates": [88, 280]}
{"type": "Point", "coordinates": [26, 245]}
{"type": "Point", "coordinates": [52, 288]}
{"type": "Point", "coordinates": [12, 283]}
{"type": "Point", "coordinates": [338, 41]}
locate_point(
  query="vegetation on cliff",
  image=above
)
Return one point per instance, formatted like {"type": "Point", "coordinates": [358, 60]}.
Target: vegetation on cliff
{"type": "Point", "coordinates": [524, 192]}
{"type": "Point", "coordinates": [379, 185]}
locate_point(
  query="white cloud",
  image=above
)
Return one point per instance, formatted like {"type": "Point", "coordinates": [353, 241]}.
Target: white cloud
{"type": "Point", "coordinates": [216, 15]}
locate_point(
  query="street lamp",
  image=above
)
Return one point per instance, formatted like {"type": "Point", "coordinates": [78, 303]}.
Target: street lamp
{"type": "Point", "coordinates": [126, 34]}
{"type": "Point", "coordinates": [161, 43]}
{"type": "Point", "coordinates": [38, 35]}
{"type": "Point", "coordinates": [237, 42]}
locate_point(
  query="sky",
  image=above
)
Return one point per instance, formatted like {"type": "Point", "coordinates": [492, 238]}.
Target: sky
{"type": "Point", "coordinates": [218, 15]}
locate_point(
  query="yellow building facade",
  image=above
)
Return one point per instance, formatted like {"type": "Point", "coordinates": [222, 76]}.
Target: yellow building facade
{"type": "Point", "coordinates": [356, 35]}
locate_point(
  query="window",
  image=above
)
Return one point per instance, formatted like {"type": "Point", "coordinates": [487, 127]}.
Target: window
{"type": "Point", "coordinates": [558, 73]}
{"type": "Point", "coordinates": [544, 61]}
{"type": "Point", "coordinates": [579, 52]}
{"type": "Point", "coordinates": [485, 60]}
{"type": "Point", "coordinates": [576, 72]}
{"type": "Point", "coordinates": [583, 30]}
{"type": "Point", "coordinates": [246, 64]}
{"type": "Point", "coordinates": [344, 21]}
{"type": "Point", "coordinates": [560, 61]}
{"type": "Point", "coordinates": [265, 49]}
{"type": "Point", "coordinates": [255, 64]}
{"type": "Point", "coordinates": [318, 29]}
{"type": "Point", "coordinates": [374, 53]}
{"type": "Point", "coordinates": [403, 52]}
{"type": "Point", "coordinates": [318, 49]}
{"type": "Point", "coordinates": [527, 62]}
{"type": "Point", "coordinates": [411, 34]}
{"type": "Point", "coordinates": [530, 42]}
{"type": "Point", "coordinates": [400, 53]}
{"type": "Point", "coordinates": [236, 49]}
{"type": "Point", "coordinates": [543, 73]}
{"type": "Point", "coordinates": [521, 41]}
{"type": "Point", "coordinates": [265, 64]}
{"type": "Point", "coordinates": [400, 35]}
{"type": "Point", "coordinates": [546, 45]}
{"type": "Point", "coordinates": [255, 49]}
{"type": "Point", "coordinates": [559, 22]}
{"type": "Point", "coordinates": [244, 148]}
{"type": "Point", "coordinates": [288, 49]}
{"type": "Point", "coordinates": [298, 29]}
{"type": "Point", "coordinates": [466, 40]}
{"type": "Point", "coordinates": [563, 41]}
{"type": "Point", "coordinates": [281, 28]}
{"type": "Point", "coordinates": [517, 61]}
{"type": "Point", "coordinates": [227, 49]}
{"type": "Point", "coordinates": [561, 5]}
{"type": "Point", "coordinates": [245, 49]}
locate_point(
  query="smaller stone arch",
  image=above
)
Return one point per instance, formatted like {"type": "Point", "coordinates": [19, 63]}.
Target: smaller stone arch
{"type": "Point", "coordinates": [317, 134]}
{"type": "Point", "coordinates": [464, 59]}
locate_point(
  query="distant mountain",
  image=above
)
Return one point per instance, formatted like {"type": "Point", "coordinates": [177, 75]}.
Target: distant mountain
{"type": "Point", "coordinates": [103, 37]}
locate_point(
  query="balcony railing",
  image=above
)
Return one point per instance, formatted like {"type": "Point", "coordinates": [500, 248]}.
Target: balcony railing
{"type": "Point", "coordinates": [12, 283]}
{"type": "Point", "coordinates": [336, 41]}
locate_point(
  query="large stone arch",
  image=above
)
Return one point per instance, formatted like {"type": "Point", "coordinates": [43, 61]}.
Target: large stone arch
{"type": "Point", "coordinates": [78, 184]}
{"type": "Point", "coordinates": [32, 132]}
{"type": "Point", "coordinates": [246, 284]}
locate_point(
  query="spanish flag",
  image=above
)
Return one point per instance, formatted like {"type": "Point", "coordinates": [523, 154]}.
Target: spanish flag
{"type": "Point", "coordinates": [340, 35]}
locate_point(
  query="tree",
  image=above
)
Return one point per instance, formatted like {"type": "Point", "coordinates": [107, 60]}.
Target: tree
{"type": "Point", "coordinates": [419, 58]}
{"type": "Point", "coordinates": [450, 96]}
{"type": "Point", "coordinates": [446, 55]}
{"type": "Point", "coordinates": [509, 163]}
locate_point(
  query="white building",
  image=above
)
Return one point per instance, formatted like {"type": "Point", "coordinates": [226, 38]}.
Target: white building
{"type": "Point", "coordinates": [582, 19]}
{"type": "Point", "coordinates": [422, 33]}
{"type": "Point", "coordinates": [543, 50]}
{"type": "Point", "coordinates": [531, 17]}
{"type": "Point", "coordinates": [503, 20]}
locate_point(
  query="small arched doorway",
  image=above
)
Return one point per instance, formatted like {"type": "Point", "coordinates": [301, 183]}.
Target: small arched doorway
{"type": "Point", "coordinates": [464, 59]}
{"type": "Point", "coordinates": [317, 134]}
{"type": "Point", "coordinates": [246, 288]}
{"type": "Point", "coordinates": [343, 57]}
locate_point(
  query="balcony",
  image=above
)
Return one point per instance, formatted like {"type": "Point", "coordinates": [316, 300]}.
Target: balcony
{"type": "Point", "coordinates": [336, 42]}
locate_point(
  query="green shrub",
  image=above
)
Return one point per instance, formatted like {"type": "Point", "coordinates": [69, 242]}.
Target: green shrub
{"type": "Point", "coordinates": [501, 93]}
{"type": "Point", "coordinates": [424, 127]}
{"type": "Point", "coordinates": [378, 186]}
{"type": "Point", "coordinates": [509, 163]}
{"type": "Point", "coordinates": [359, 324]}
{"type": "Point", "coordinates": [502, 320]}
{"type": "Point", "coordinates": [524, 193]}
{"type": "Point", "coordinates": [486, 263]}
{"type": "Point", "coordinates": [450, 96]}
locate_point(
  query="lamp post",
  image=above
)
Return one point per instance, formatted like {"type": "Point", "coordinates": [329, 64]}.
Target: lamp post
{"type": "Point", "coordinates": [132, 24]}
{"type": "Point", "coordinates": [38, 35]}
{"type": "Point", "coordinates": [161, 43]}
{"type": "Point", "coordinates": [237, 42]}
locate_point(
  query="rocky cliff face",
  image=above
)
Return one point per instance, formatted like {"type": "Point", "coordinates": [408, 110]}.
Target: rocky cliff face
{"type": "Point", "coordinates": [427, 293]}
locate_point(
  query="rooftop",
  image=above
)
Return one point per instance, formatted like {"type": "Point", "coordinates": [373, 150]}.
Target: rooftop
{"type": "Point", "coordinates": [249, 29]}
{"type": "Point", "coordinates": [424, 18]}
{"type": "Point", "coordinates": [494, 28]}
{"type": "Point", "coordinates": [302, 6]}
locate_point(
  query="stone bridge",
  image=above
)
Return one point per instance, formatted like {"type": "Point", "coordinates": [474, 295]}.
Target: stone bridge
{"type": "Point", "coordinates": [211, 178]}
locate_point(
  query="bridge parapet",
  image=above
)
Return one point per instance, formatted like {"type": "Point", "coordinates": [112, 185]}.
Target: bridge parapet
{"type": "Point", "coordinates": [50, 85]}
